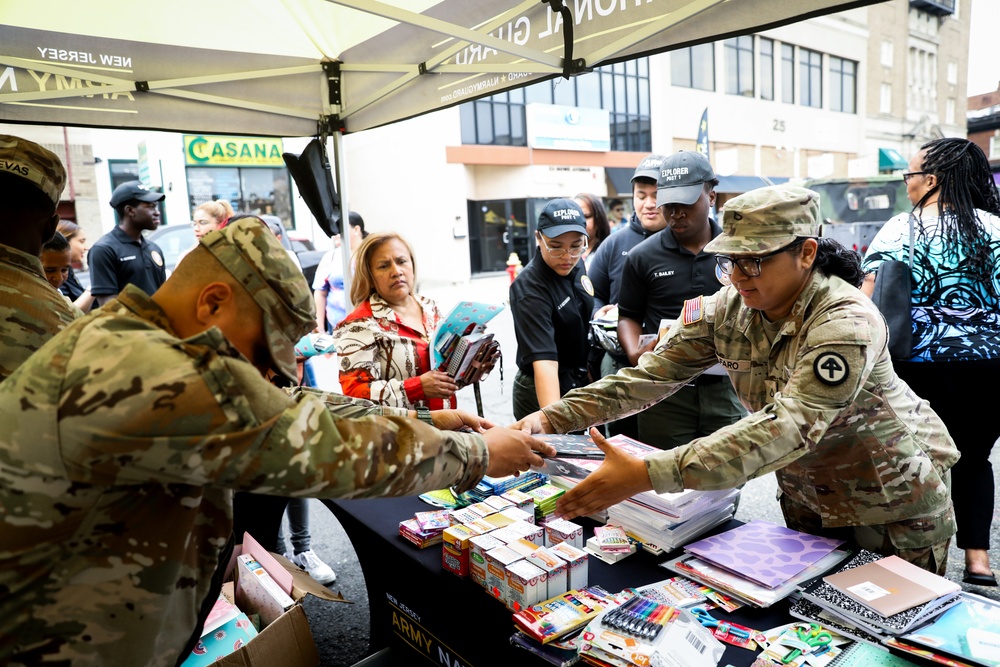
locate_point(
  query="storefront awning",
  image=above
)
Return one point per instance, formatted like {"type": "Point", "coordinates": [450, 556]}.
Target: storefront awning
{"type": "Point", "coordinates": [619, 180]}
{"type": "Point", "coordinates": [741, 184]}
{"type": "Point", "coordinates": [889, 159]}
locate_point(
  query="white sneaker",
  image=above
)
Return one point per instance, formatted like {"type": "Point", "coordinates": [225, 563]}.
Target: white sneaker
{"type": "Point", "coordinates": [317, 569]}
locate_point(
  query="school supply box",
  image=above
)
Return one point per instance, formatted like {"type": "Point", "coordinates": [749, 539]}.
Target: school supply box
{"type": "Point", "coordinates": [286, 640]}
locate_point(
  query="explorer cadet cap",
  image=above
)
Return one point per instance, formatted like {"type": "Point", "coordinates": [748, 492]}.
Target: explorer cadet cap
{"type": "Point", "coordinates": [35, 164]}
{"type": "Point", "coordinates": [648, 168]}
{"type": "Point", "coordinates": [682, 178]}
{"type": "Point", "coordinates": [258, 261]}
{"type": "Point", "coordinates": [765, 220]}
{"type": "Point", "coordinates": [561, 216]}
{"type": "Point", "coordinates": [134, 190]}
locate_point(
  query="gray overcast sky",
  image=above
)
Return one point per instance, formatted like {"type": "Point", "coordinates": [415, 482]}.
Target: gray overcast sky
{"type": "Point", "coordinates": [984, 56]}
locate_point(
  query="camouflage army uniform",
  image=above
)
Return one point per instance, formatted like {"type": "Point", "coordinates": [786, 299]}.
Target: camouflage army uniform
{"type": "Point", "coordinates": [850, 443]}
{"type": "Point", "coordinates": [31, 312]}
{"type": "Point", "coordinates": [121, 446]}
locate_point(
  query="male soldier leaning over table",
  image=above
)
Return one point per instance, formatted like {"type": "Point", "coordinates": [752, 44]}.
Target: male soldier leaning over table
{"type": "Point", "coordinates": [125, 435]}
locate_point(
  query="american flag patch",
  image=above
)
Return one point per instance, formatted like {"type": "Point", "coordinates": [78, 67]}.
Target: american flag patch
{"type": "Point", "coordinates": [692, 311]}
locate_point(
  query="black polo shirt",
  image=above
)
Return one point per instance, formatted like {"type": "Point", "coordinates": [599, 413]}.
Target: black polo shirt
{"type": "Point", "coordinates": [659, 276]}
{"type": "Point", "coordinates": [116, 260]}
{"type": "Point", "coordinates": [551, 320]}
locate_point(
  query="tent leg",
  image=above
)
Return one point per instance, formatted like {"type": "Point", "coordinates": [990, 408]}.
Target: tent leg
{"type": "Point", "coordinates": [340, 174]}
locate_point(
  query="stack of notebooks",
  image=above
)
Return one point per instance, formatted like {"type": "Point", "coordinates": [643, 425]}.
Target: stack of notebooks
{"type": "Point", "coordinates": [545, 496]}
{"type": "Point", "coordinates": [495, 486]}
{"type": "Point", "coordinates": [660, 522]}
{"type": "Point", "coordinates": [758, 563]}
{"type": "Point", "coordinates": [425, 529]}
{"type": "Point", "coordinates": [875, 598]}
{"type": "Point", "coordinates": [968, 632]}
{"type": "Point", "coordinates": [466, 320]}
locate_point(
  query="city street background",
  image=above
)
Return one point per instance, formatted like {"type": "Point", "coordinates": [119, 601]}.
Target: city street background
{"type": "Point", "coordinates": [341, 630]}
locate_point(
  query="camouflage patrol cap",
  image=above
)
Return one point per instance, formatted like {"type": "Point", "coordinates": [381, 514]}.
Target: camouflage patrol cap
{"type": "Point", "coordinates": [259, 262]}
{"type": "Point", "coordinates": [39, 166]}
{"type": "Point", "coordinates": [765, 220]}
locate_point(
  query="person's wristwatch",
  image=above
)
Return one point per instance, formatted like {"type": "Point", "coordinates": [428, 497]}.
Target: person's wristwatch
{"type": "Point", "coordinates": [424, 415]}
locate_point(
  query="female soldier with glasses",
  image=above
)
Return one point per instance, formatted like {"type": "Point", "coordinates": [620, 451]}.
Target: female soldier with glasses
{"type": "Point", "coordinates": [551, 301]}
{"type": "Point", "coordinates": [857, 454]}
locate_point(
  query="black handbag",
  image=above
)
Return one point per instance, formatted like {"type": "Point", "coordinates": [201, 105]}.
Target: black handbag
{"type": "Point", "coordinates": [892, 296]}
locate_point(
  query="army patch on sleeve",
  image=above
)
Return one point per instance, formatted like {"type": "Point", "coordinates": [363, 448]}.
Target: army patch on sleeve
{"type": "Point", "coordinates": [831, 368]}
{"type": "Point", "coordinates": [587, 285]}
{"type": "Point", "coordinates": [693, 311]}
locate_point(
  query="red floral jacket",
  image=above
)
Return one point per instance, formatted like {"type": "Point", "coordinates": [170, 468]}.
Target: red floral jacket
{"type": "Point", "coordinates": [381, 359]}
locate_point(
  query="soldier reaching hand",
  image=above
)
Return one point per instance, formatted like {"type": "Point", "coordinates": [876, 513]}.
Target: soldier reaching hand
{"type": "Point", "coordinates": [856, 453]}
{"type": "Point", "coordinates": [124, 437]}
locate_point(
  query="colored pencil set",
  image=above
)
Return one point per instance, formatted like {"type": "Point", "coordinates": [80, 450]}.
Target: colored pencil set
{"type": "Point", "coordinates": [641, 617]}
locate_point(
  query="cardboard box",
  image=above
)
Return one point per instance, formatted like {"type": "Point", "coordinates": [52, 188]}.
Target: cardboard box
{"type": "Point", "coordinates": [478, 546]}
{"type": "Point", "coordinates": [523, 581]}
{"type": "Point", "coordinates": [555, 571]}
{"type": "Point", "coordinates": [561, 530]}
{"type": "Point", "coordinates": [455, 549]}
{"type": "Point", "coordinates": [577, 573]}
{"type": "Point", "coordinates": [287, 641]}
{"type": "Point", "coordinates": [497, 561]}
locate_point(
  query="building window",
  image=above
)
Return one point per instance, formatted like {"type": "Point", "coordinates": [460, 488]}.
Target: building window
{"type": "Point", "coordinates": [766, 68]}
{"type": "Point", "coordinates": [843, 85]}
{"type": "Point", "coordinates": [995, 145]}
{"type": "Point", "coordinates": [949, 111]}
{"type": "Point", "coordinates": [694, 67]}
{"type": "Point", "coordinates": [622, 89]}
{"type": "Point", "coordinates": [256, 190]}
{"type": "Point", "coordinates": [811, 73]}
{"type": "Point", "coordinates": [953, 73]}
{"type": "Point", "coordinates": [739, 65]}
{"type": "Point", "coordinates": [788, 73]}
{"type": "Point", "coordinates": [885, 99]}
{"type": "Point", "coordinates": [886, 53]}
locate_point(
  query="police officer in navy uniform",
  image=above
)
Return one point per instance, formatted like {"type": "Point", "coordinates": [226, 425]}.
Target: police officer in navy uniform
{"type": "Point", "coordinates": [551, 301]}
{"type": "Point", "coordinates": [122, 256]}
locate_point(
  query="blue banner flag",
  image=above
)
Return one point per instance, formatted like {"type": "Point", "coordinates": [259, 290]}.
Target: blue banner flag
{"type": "Point", "coordinates": [702, 146]}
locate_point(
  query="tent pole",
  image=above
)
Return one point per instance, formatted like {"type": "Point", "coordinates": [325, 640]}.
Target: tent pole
{"type": "Point", "coordinates": [340, 174]}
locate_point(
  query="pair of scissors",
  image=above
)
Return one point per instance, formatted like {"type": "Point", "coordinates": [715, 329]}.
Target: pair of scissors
{"type": "Point", "coordinates": [814, 636]}
{"type": "Point", "coordinates": [722, 627]}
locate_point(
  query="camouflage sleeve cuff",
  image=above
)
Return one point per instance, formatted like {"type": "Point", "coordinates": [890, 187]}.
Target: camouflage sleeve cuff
{"type": "Point", "coordinates": [561, 419]}
{"type": "Point", "coordinates": [664, 473]}
{"type": "Point", "coordinates": [477, 458]}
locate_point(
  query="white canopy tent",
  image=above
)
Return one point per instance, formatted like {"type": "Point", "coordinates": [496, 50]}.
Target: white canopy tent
{"type": "Point", "coordinates": [316, 67]}
{"type": "Point", "coordinates": [281, 67]}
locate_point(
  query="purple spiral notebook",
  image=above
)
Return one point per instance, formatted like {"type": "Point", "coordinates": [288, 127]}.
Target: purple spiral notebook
{"type": "Point", "coordinates": [763, 552]}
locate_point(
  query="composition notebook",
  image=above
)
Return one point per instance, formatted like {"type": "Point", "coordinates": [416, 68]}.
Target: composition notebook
{"type": "Point", "coordinates": [891, 585]}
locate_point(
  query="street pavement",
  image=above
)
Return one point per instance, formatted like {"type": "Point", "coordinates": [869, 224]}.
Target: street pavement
{"type": "Point", "coordinates": [341, 629]}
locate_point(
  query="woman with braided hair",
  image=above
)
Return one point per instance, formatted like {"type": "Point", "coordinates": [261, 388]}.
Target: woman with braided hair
{"type": "Point", "coordinates": [956, 318]}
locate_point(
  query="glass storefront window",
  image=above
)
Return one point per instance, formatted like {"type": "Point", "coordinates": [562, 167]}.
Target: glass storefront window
{"type": "Point", "coordinates": [498, 228]}
{"type": "Point", "coordinates": [256, 190]}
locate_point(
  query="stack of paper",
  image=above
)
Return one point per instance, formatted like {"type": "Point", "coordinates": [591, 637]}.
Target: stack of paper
{"type": "Point", "coordinates": [884, 596]}
{"type": "Point", "coordinates": [758, 562]}
{"type": "Point", "coordinates": [659, 521]}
